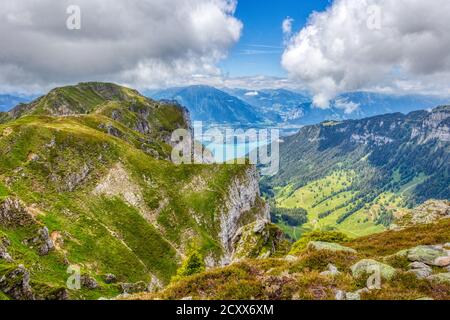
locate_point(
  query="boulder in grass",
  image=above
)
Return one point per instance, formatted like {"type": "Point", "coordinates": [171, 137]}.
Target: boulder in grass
{"type": "Point", "coordinates": [42, 241]}
{"type": "Point", "coordinates": [419, 265]}
{"type": "Point", "coordinates": [370, 266]}
{"type": "Point", "coordinates": [430, 255]}
{"type": "Point", "coordinates": [442, 261]}
{"type": "Point", "coordinates": [4, 244]}
{"type": "Point", "coordinates": [88, 282]}
{"type": "Point", "coordinates": [16, 284]}
{"type": "Point", "coordinates": [421, 270]}
{"type": "Point", "coordinates": [110, 278]}
{"type": "Point", "coordinates": [332, 271]}
{"type": "Point", "coordinates": [340, 295]}
{"type": "Point", "coordinates": [14, 214]}
{"type": "Point", "coordinates": [319, 245]}
{"type": "Point", "coordinates": [421, 273]}
{"type": "Point", "coordinates": [441, 278]}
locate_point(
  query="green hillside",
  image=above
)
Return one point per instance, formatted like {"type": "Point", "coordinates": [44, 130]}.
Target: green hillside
{"type": "Point", "coordinates": [89, 163]}
{"type": "Point", "coordinates": [357, 176]}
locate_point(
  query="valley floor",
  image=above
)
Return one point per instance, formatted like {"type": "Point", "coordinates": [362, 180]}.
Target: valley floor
{"type": "Point", "coordinates": [327, 199]}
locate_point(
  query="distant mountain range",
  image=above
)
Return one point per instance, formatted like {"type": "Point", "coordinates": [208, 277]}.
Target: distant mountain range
{"type": "Point", "coordinates": [277, 105]}
{"type": "Point", "coordinates": [7, 101]}
{"type": "Point", "coordinates": [273, 107]}
{"type": "Point", "coordinates": [211, 105]}
{"type": "Point", "coordinates": [280, 107]}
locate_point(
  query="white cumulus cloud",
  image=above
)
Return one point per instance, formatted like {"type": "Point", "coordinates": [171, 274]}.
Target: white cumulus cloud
{"type": "Point", "coordinates": [348, 106]}
{"type": "Point", "coordinates": [143, 43]}
{"type": "Point", "coordinates": [385, 45]}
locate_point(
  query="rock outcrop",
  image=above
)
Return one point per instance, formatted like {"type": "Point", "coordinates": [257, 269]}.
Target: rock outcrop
{"type": "Point", "coordinates": [16, 284]}
{"type": "Point", "coordinates": [424, 258]}
{"type": "Point", "coordinates": [43, 242]}
{"type": "Point", "coordinates": [429, 255]}
{"type": "Point", "coordinates": [431, 211]}
{"type": "Point", "coordinates": [371, 266]}
{"type": "Point", "coordinates": [421, 270]}
{"type": "Point", "coordinates": [4, 244]}
{"type": "Point", "coordinates": [118, 183]}
{"type": "Point", "coordinates": [243, 203]}
{"type": "Point", "coordinates": [88, 282]}
{"type": "Point", "coordinates": [260, 240]}
{"type": "Point", "coordinates": [13, 213]}
{"type": "Point", "coordinates": [434, 127]}
{"type": "Point", "coordinates": [441, 278]}
{"type": "Point", "coordinates": [76, 178]}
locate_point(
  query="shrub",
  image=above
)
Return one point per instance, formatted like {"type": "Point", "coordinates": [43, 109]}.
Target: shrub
{"type": "Point", "coordinates": [192, 265]}
{"type": "Point", "coordinates": [313, 260]}
{"type": "Point", "coordinates": [292, 217]}
{"type": "Point", "coordinates": [326, 236]}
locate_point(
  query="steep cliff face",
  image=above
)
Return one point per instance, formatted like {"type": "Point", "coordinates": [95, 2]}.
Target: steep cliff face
{"type": "Point", "coordinates": [243, 206]}
{"type": "Point", "coordinates": [434, 127]}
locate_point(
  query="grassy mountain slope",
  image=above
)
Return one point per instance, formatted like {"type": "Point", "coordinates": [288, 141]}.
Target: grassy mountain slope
{"type": "Point", "coordinates": [88, 162]}
{"type": "Point", "coordinates": [356, 175]}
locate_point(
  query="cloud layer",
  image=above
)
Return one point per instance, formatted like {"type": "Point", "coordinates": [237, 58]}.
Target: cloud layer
{"type": "Point", "coordinates": [143, 43]}
{"type": "Point", "coordinates": [384, 45]}
{"type": "Point", "coordinates": [286, 26]}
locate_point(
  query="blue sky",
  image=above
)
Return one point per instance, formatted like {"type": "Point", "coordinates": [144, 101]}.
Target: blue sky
{"type": "Point", "coordinates": [261, 45]}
